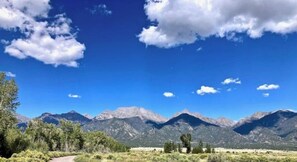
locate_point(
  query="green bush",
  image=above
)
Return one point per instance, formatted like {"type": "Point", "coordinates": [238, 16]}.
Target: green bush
{"type": "Point", "coordinates": [217, 158]}
{"type": "Point", "coordinates": [32, 155]}
{"type": "Point", "coordinates": [170, 147]}
{"type": "Point", "coordinates": [197, 150]}
{"type": "Point", "coordinates": [97, 156]}
{"type": "Point", "coordinates": [110, 157]}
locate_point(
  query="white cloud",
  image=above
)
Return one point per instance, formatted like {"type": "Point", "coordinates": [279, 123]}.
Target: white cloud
{"type": "Point", "coordinates": [176, 22]}
{"type": "Point", "coordinates": [266, 94]}
{"type": "Point", "coordinates": [268, 87]}
{"type": "Point", "coordinates": [49, 40]}
{"type": "Point", "coordinates": [4, 42]}
{"type": "Point", "coordinates": [168, 94]}
{"type": "Point", "coordinates": [199, 49]}
{"type": "Point", "coordinates": [10, 74]}
{"type": "Point", "coordinates": [74, 96]}
{"type": "Point", "coordinates": [229, 89]}
{"type": "Point", "coordinates": [101, 9]}
{"type": "Point", "coordinates": [206, 90]}
{"type": "Point", "coordinates": [231, 81]}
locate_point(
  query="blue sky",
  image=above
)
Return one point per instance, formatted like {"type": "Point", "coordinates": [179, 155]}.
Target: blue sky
{"type": "Point", "coordinates": [111, 58]}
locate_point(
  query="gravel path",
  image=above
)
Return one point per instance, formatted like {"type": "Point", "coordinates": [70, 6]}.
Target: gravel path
{"type": "Point", "coordinates": [63, 159]}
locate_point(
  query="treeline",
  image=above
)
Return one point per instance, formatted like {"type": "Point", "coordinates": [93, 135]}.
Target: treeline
{"type": "Point", "coordinates": [40, 136]}
{"type": "Point", "coordinates": [68, 137]}
{"type": "Point", "coordinates": [186, 139]}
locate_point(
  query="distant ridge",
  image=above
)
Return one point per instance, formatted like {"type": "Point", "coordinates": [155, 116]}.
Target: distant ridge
{"type": "Point", "coordinates": [137, 126]}
{"type": "Point", "coordinates": [223, 122]}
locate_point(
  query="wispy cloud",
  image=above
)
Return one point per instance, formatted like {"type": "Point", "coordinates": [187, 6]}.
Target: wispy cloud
{"type": "Point", "coordinates": [206, 90]}
{"type": "Point", "coordinates": [9, 74]}
{"type": "Point", "coordinates": [101, 9]}
{"type": "Point", "coordinates": [199, 49]}
{"type": "Point", "coordinates": [74, 96]}
{"type": "Point", "coordinates": [266, 94]}
{"type": "Point", "coordinates": [168, 94]}
{"type": "Point", "coordinates": [231, 81]}
{"type": "Point", "coordinates": [268, 87]}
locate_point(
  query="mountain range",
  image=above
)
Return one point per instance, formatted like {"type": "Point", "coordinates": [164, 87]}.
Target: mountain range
{"type": "Point", "coordinates": [136, 126]}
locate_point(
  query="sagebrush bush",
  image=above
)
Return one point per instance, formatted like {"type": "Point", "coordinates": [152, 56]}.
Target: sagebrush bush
{"type": "Point", "coordinates": [32, 154]}
{"type": "Point", "coordinates": [97, 156]}
{"type": "Point", "coordinates": [217, 158]}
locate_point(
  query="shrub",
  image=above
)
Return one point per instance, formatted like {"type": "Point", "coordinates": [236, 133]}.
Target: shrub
{"type": "Point", "coordinates": [97, 156]}
{"type": "Point", "coordinates": [32, 154]}
{"type": "Point", "coordinates": [217, 158]}
{"type": "Point", "coordinates": [169, 147]}
{"type": "Point", "coordinates": [110, 157]}
{"type": "Point", "coordinates": [197, 150]}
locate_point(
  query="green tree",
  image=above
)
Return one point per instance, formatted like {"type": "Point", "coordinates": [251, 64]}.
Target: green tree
{"type": "Point", "coordinates": [186, 140]}
{"type": "Point", "coordinates": [180, 150]}
{"type": "Point", "coordinates": [72, 138]}
{"type": "Point", "coordinates": [198, 149]}
{"type": "Point", "coordinates": [16, 141]}
{"type": "Point", "coordinates": [208, 148]}
{"type": "Point", "coordinates": [98, 142]}
{"type": "Point", "coordinates": [8, 104]}
{"type": "Point", "coordinates": [170, 147]}
{"type": "Point", "coordinates": [44, 137]}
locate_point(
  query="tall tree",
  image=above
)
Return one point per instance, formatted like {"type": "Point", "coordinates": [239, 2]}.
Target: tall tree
{"type": "Point", "coordinates": [208, 148]}
{"type": "Point", "coordinates": [8, 104]}
{"type": "Point", "coordinates": [72, 137]}
{"type": "Point", "coordinates": [44, 137]}
{"type": "Point", "coordinates": [186, 140]}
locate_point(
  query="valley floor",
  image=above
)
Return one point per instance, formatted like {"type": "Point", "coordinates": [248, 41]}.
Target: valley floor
{"type": "Point", "coordinates": [223, 155]}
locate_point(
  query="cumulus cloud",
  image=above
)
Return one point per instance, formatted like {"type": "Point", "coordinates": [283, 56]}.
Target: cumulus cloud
{"type": "Point", "coordinates": [231, 81]}
{"type": "Point", "coordinates": [268, 87]}
{"type": "Point", "coordinates": [266, 94]}
{"type": "Point", "coordinates": [206, 90]}
{"type": "Point", "coordinates": [185, 21]}
{"type": "Point", "coordinates": [168, 94]}
{"type": "Point", "coordinates": [10, 74]}
{"type": "Point", "coordinates": [74, 96]}
{"type": "Point", "coordinates": [49, 40]}
{"type": "Point", "coordinates": [101, 9]}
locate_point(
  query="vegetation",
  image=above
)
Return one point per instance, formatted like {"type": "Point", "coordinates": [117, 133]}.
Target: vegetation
{"type": "Point", "coordinates": [155, 156]}
{"type": "Point", "coordinates": [43, 137]}
{"type": "Point", "coordinates": [186, 140]}
{"type": "Point", "coordinates": [198, 149]}
{"type": "Point", "coordinates": [11, 138]}
{"type": "Point", "coordinates": [170, 147]}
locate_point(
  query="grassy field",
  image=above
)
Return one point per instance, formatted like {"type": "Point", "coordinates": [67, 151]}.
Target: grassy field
{"type": "Point", "coordinates": [223, 155]}
{"type": "Point", "coordinates": [157, 155]}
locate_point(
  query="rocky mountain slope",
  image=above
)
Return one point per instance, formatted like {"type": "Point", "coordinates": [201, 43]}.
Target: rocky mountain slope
{"type": "Point", "coordinates": [129, 112]}
{"type": "Point", "coordinates": [222, 121]}
{"type": "Point", "coordinates": [71, 116]}
{"type": "Point", "coordinates": [275, 128]}
{"type": "Point", "coordinates": [144, 128]}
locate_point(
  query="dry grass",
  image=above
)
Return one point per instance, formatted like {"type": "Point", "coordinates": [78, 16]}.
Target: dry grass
{"type": "Point", "coordinates": [223, 155]}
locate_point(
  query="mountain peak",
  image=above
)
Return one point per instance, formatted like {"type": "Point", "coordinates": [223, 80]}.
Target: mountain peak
{"type": "Point", "coordinates": [129, 112]}
{"type": "Point", "coordinates": [188, 119]}
{"type": "Point", "coordinates": [223, 122]}
{"type": "Point", "coordinates": [45, 114]}
{"type": "Point", "coordinates": [72, 112]}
